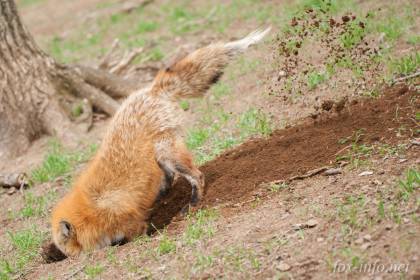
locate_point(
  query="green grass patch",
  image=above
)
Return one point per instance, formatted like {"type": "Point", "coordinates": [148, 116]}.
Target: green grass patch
{"type": "Point", "coordinates": [405, 65]}
{"type": "Point", "coordinates": [55, 164]}
{"type": "Point", "coordinates": [393, 24]}
{"type": "Point", "coordinates": [200, 226]}
{"type": "Point", "coordinates": [28, 2]}
{"type": "Point", "coordinates": [146, 26]}
{"type": "Point", "coordinates": [254, 122]}
{"type": "Point", "coordinates": [184, 104]}
{"type": "Point", "coordinates": [409, 184]}
{"type": "Point", "coordinates": [25, 244]}
{"type": "Point", "coordinates": [314, 79]}
{"type": "Point", "coordinates": [220, 89]}
{"type": "Point", "coordinates": [36, 206]}
{"type": "Point", "coordinates": [215, 136]}
{"type": "Point", "coordinates": [276, 187]}
{"type": "Point", "coordinates": [59, 162]}
{"type": "Point", "coordinates": [166, 245]}
{"type": "Point", "coordinates": [353, 35]}
{"type": "Point", "coordinates": [92, 271]}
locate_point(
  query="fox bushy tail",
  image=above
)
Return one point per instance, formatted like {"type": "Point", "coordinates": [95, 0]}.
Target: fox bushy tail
{"type": "Point", "coordinates": [193, 75]}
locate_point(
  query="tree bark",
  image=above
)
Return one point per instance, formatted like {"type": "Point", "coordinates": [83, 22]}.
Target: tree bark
{"type": "Point", "coordinates": [25, 90]}
{"type": "Point", "coordinates": [33, 88]}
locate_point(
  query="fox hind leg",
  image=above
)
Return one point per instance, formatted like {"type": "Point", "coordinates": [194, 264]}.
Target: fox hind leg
{"type": "Point", "coordinates": [174, 156]}
{"type": "Point", "coordinates": [167, 180]}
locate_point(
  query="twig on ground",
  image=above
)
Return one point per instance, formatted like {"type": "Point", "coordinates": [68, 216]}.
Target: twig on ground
{"type": "Point", "coordinates": [343, 149]}
{"type": "Point", "coordinates": [126, 61]}
{"type": "Point", "coordinates": [309, 173]}
{"type": "Point", "coordinates": [106, 59]}
{"type": "Point", "coordinates": [402, 79]}
{"type": "Point", "coordinates": [70, 276]}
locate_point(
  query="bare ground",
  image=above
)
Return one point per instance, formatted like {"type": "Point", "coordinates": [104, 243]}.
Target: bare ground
{"type": "Point", "coordinates": [320, 227]}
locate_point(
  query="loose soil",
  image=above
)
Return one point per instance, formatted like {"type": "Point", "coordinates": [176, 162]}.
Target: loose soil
{"type": "Point", "coordinates": [238, 173]}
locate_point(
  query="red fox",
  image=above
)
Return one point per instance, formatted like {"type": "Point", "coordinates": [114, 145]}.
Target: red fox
{"type": "Point", "coordinates": [139, 156]}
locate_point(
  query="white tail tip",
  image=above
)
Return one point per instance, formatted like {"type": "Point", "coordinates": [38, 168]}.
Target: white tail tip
{"type": "Point", "coordinates": [252, 38]}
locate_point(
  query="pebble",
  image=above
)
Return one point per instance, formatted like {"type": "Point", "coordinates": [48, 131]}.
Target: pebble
{"type": "Point", "coordinates": [367, 237]}
{"type": "Point", "coordinates": [320, 239]}
{"type": "Point", "coordinates": [11, 191]}
{"type": "Point", "coordinates": [358, 241]}
{"type": "Point", "coordinates": [365, 246]}
{"type": "Point", "coordinates": [298, 226]}
{"type": "Point", "coordinates": [283, 266]}
{"type": "Point", "coordinates": [282, 74]}
{"type": "Point", "coordinates": [332, 171]}
{"type": "Point", "coordinates": [366, 173]}
{"type": "Point", "coordinates": [312, 223]}
{"type": "Point", "coordinates": [406, 220]}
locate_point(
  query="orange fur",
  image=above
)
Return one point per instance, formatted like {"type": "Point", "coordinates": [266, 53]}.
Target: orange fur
{"type": "Point", "coordinates": [112, 197]}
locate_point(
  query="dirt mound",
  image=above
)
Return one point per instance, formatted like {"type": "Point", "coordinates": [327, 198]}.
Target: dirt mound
{"type": "Point", "coordinates": [238, 173]}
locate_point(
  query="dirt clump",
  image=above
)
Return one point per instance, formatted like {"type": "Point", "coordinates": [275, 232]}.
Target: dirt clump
{"type": "Point", "coordinates": [238, 173]}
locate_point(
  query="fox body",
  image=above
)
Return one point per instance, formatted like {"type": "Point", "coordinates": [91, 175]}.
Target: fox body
{"type": "Point", "coordinates": [139, 156]}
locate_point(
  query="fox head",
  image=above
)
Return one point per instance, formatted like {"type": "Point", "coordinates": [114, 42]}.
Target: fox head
{"type": "Point", "coordinates": [80, 223]}
{"type": "Point", "coordinates": [65, 238]}
{"type": "Point", "coordinates": [65, 232]}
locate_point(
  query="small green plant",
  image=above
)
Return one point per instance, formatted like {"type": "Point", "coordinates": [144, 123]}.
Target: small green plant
{"type": "Point", "coordinates": [36, 205]}
{"type": "Point", "coordinates": [6, 270]}
{"type": "Point", "coordinates": [146, 26]}
{"type": "Point", "coordinates": [220, 89]}
{"type": "Point", "coordinates": [354, 258]}
{"type": "Point", "coordinates": [314, 79]}
{"type": "Point", "coordinates": [238, 258]}
{"type": "Point", "coordinates": [181, 20]}
{"type": "Point", "coordinates": [155, 54]}
{"type": "Point", "coordinates": [203, 261]}
{"type": "Point", "coordinates": [92, 271]}
{"type": "Point", "coordinates": [254, 122]}
{"type": "Point", "coordinates": [353, 36]}
{"type": "Point", "coordinates": [409, 184]}
{"type": "Point", "coordinates": [276, 187]}
{"type": "Point", "coordinates": [26, 240]}
{"type": "Point", "coordinates": [358, 153]}
{"type": "Point", "coordinates": [389, 150]}
{"type": "Point", "coordinates": [166, 245]}
{"type": "Point", "coordinates": [29, 2]}
{"type": "Point", "coordinates": [110, 254]}
{"type": "Point", "coordinates": [196, 138]}
{"type": "Point", "coordinates": [58, 162]}
{"type": "Point", "coordinates": [381, 209]}
{"type": "Point", "coordinates": [184, 104]}
{"type": "Point", "coordinates": [406, 64]}
{"type": "Point", "coordinates": [77, 110]}
{"type": "Point", "coordinates": [414, 40]}
{"type": "Point", "coordinates": [199, 226]}
{"type": "Point", "coordinates": [392, 26]}
{"type": "Point", "coordinates": [350, 212]}
{"type": "Point", "coordinates": [25, 244]}
{"type": "Point", "coordinates": [55, 164]}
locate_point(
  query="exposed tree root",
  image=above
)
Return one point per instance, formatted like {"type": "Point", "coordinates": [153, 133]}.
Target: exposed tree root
{"type": "Point", "coordinates": [111, 84]}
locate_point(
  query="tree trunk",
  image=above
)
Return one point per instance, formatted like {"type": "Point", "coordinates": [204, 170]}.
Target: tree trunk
{"type": "Point", "coordinates": [25, 90]}
{"type": "Point", "coordinates": [34, 87]}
